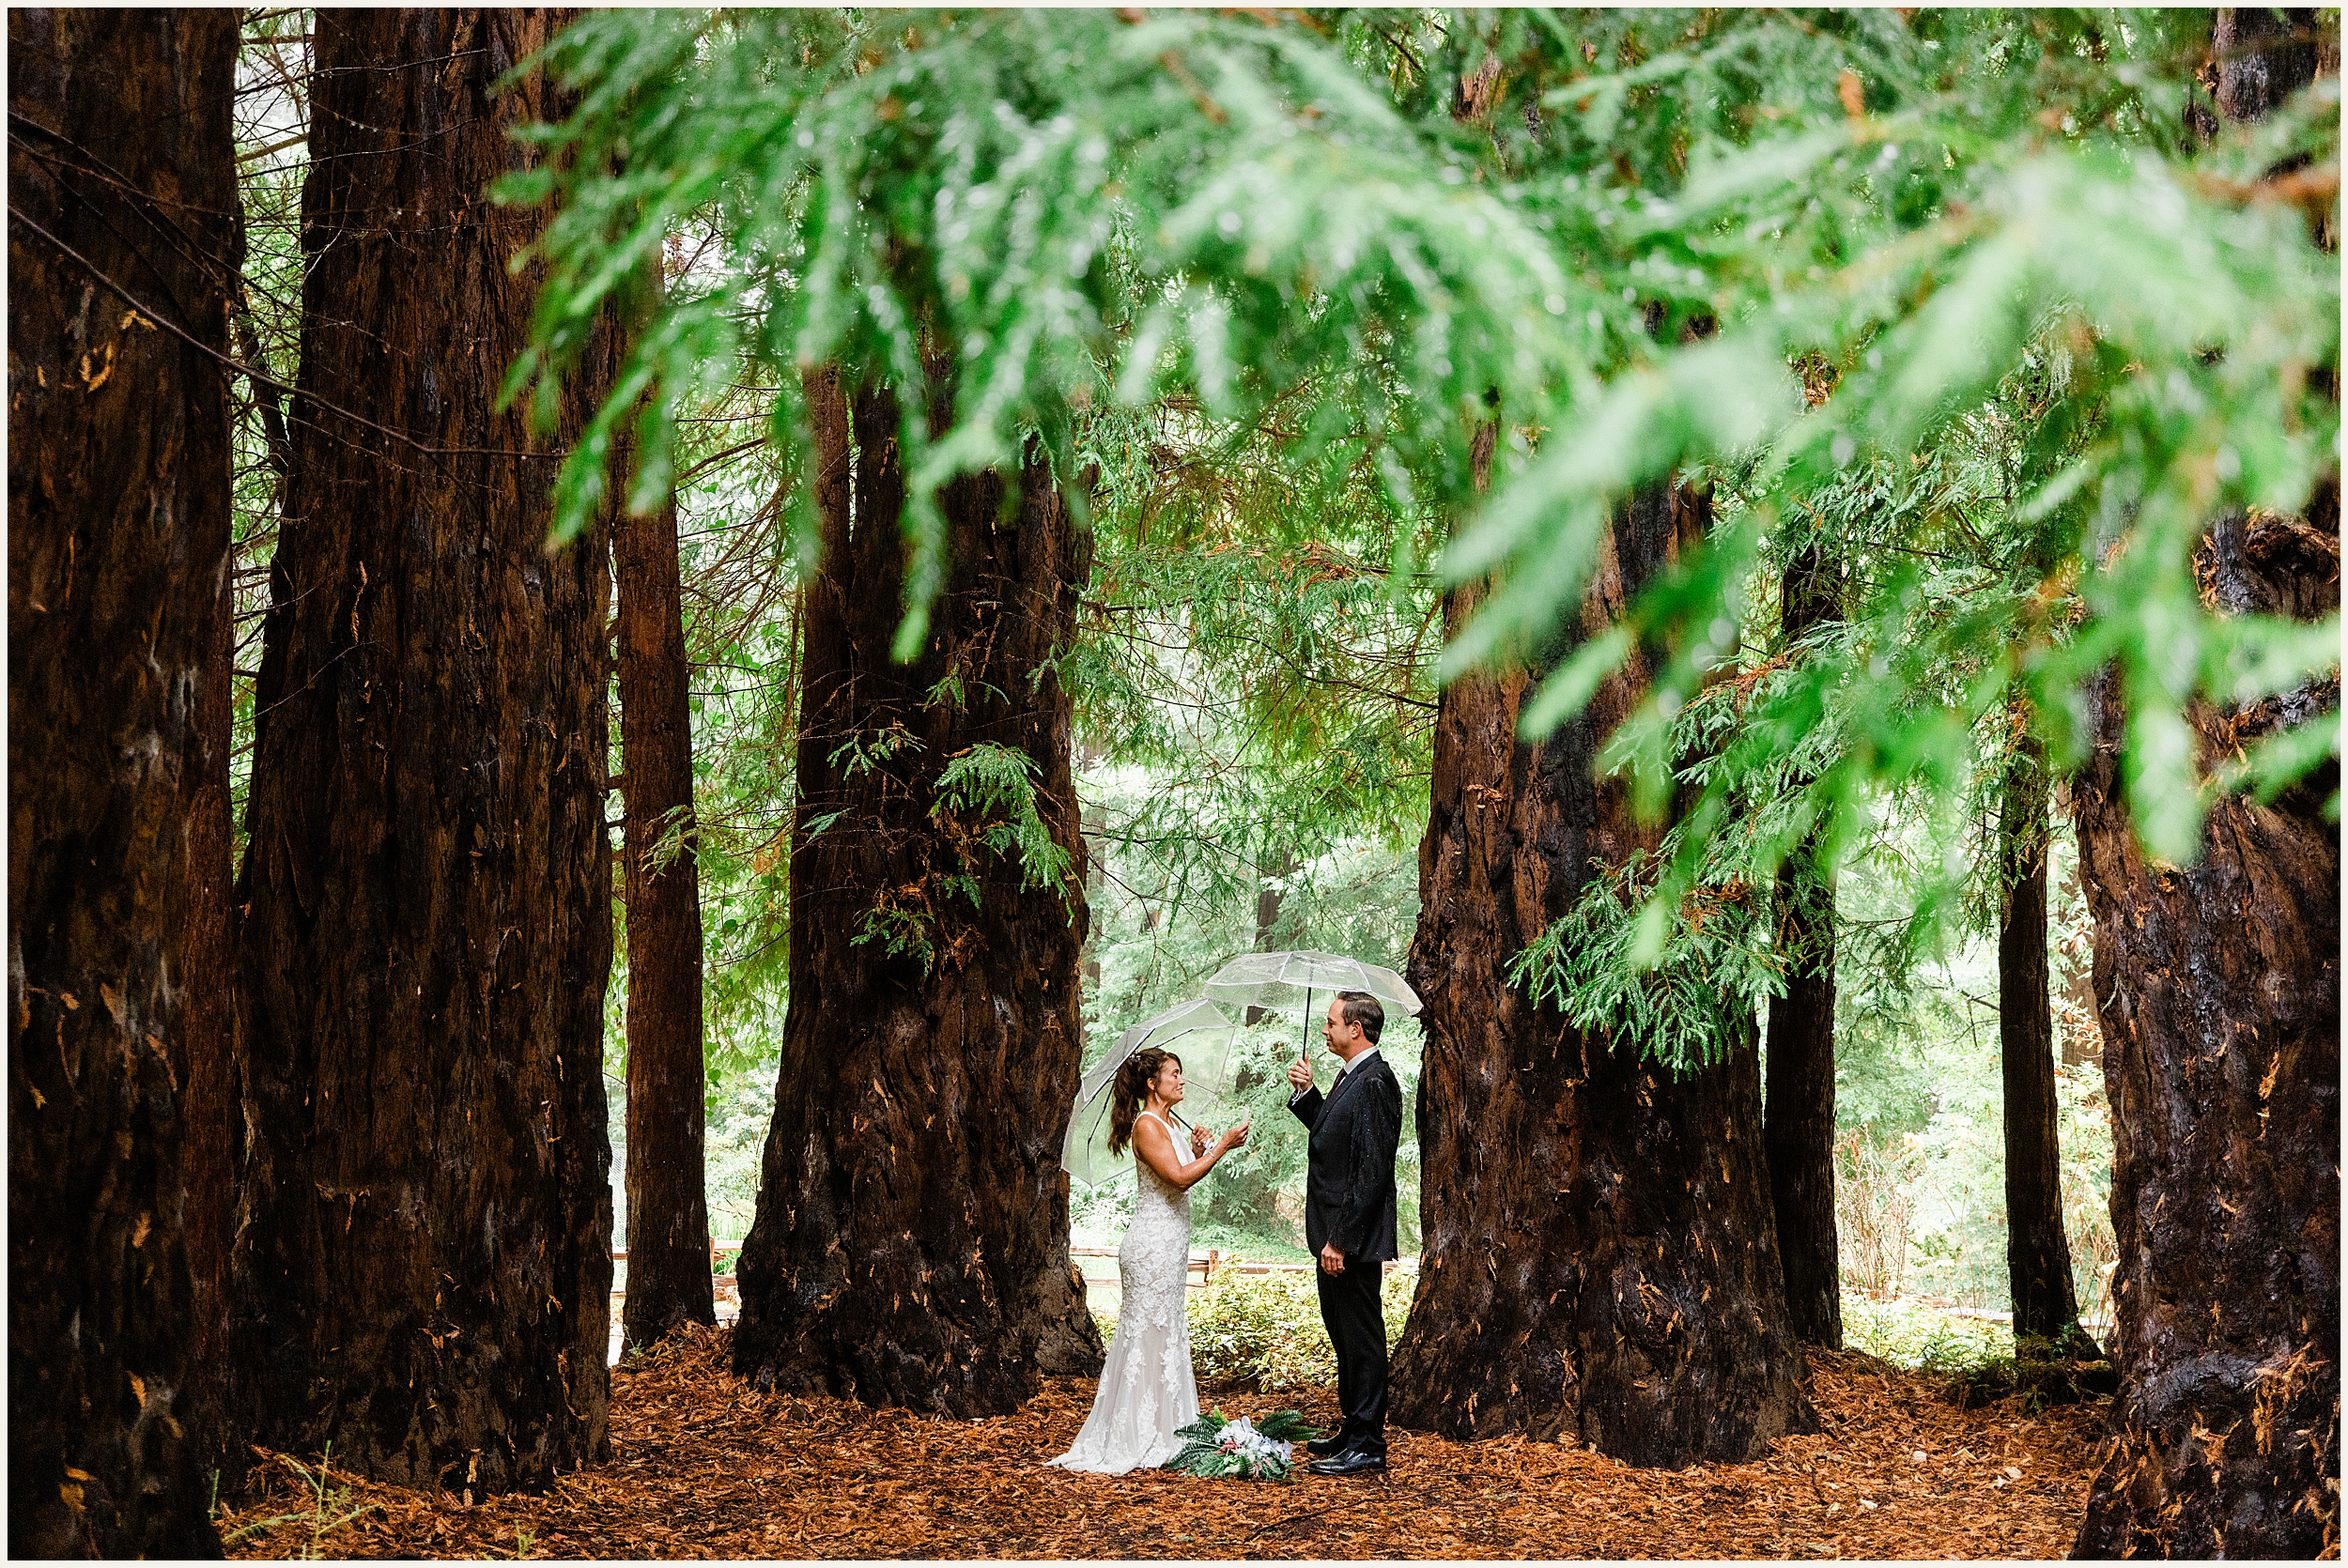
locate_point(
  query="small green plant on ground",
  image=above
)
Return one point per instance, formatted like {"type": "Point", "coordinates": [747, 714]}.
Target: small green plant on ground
{"type": "Point", "coordinates": [1978, 1359]}
{"type": "Point", "coordinates": [1914, 1336]}
{"type": "Point", "coordinates": [2045, 1372]}
{"type": "Point", "coordinates": [330, 1509]}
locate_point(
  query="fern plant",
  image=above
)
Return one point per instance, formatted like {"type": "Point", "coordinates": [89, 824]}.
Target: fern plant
{"type": "Point", "coordinates": [985, 809]}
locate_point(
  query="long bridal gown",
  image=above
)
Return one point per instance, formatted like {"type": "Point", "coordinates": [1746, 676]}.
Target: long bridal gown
{"type": "Point", "coordinates": [1147, 1390]}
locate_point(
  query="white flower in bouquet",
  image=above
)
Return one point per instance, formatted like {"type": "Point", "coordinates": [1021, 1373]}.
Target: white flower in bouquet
{"type": "Point", "coordinates": [1240, 1437]}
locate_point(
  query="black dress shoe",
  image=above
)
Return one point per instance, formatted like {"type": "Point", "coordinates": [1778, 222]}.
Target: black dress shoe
{"type": "Point", "coordinates": [1351, 1461]}
{"type": "Point", "coordinates": [1320, 1448]}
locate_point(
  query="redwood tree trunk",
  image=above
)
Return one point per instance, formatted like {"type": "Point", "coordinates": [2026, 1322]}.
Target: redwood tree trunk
{"type": "Point", "coordinates": [2221, 1057]}
{"type": "Point", "coordinates": [423, 1266]}
{"type": "Point", "coordinates": [911, 1241]}
{"type": "Point", "coordinates": [2038, 1255]}
{"type": "Point", "coordinates": [120, 149]}
{"type": "Point", "coordinates": [1798, 1131]}
{"type": "Point", "coordinates": [2218, 986]}
{"type": "Point", "coordinates": [1599, 1259]}
{"type": "Point", "coordinates": [668, 1214]}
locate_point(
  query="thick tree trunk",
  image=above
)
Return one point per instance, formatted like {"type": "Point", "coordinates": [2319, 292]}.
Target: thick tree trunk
{"type": "Point", "coordinates": [1798, 1133]}
{"type": "Point", "coordinates": [2038, 1253]}
{"type": "Point", "coordinates": [1599, 1258]}
{"type": "Point", "coordinates": [911, 1241]}
{"type": "Point", "coordinates": [120, 149]}
{"type": "Point", "coordinates": [668, 1214]}
{"type": "Point", "coordinates": [423, 1266]}
{"type": "Point", "coordinates": [2221, 1057]}
{"type": "Point", "coordinates": [2264, 54]}
{"type": "Point", "coordinates": [2219, 991]}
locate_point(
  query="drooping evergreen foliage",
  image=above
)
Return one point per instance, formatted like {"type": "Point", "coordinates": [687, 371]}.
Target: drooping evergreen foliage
{"type": "Point", "coordinates": [1080, 205]}
{"type": "Point", "coordinates": [2043, 314]}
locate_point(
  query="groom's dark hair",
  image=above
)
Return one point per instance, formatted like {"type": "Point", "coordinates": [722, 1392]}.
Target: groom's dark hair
{"type": "Point", "coordinates": [1360, 1006]}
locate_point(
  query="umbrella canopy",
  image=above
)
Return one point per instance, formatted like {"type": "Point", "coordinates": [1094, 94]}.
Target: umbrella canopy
{"type": "Point", "coordinates": [1195, 1031]}
{"type": "Point", "coordinates": [1283, 980]}
{"type": "Point", "coordinates": [1278, 981]}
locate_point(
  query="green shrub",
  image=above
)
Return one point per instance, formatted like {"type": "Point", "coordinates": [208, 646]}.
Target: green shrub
{"type": "Point", "coordinates": [1264, 1329]}
{"type": "Point", "coordinates": [2044, 1372]}
{"type": "Point", "coordinates": [1917, 1337]}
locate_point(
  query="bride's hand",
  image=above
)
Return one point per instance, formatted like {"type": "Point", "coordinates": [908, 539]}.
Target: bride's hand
{"type": "Point", "coordinates": [1198, 1136]}
{"type": "Point", "coordinates": [1236, 1137]}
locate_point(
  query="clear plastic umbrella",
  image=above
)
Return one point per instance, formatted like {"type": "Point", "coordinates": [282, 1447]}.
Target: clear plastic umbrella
{"type": "Point", "coordinates": [1277, 982]}
{"type": "Point", "coordinates": [1195, 1031]}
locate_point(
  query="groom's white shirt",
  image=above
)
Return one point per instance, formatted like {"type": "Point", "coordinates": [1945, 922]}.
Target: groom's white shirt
{"type": "Point", "coordinates": [1342, 1073]}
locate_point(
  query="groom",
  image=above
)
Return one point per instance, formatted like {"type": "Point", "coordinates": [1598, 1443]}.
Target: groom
{"type": "Point", "coordinates": [1350, 1219]}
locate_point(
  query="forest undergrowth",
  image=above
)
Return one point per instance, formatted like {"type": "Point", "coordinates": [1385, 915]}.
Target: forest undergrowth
{"type": "Point", "coordinates": [704, 1465]}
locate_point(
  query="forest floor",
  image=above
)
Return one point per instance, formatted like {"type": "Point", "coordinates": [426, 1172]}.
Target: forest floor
{"type": "Point", "coordinates": [704, 1466]}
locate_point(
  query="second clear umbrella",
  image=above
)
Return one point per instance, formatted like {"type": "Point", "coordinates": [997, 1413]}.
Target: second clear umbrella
{"type": "Point", "coordinates": [1195, 1031]}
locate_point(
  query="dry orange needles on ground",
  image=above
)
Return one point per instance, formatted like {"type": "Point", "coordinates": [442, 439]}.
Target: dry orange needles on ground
{"type": "Point", "coordinates": [704, 1466]}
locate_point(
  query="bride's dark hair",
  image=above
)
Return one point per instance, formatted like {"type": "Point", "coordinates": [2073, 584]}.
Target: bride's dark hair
{"type": "Point", "coordinates": [1132, 1091]}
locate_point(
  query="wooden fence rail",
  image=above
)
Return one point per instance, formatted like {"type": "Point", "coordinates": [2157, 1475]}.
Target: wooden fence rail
{"type": "Point", "coordinates": [716, 1251]}
{"type": "Point", "coordinates": [724, 1285]}
{"type": "Point", "coordinates": [1204, 1266]}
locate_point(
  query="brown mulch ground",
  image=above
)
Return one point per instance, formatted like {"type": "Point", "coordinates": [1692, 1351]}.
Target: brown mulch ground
{"type": "Point", "coordinates": [704, 1466]}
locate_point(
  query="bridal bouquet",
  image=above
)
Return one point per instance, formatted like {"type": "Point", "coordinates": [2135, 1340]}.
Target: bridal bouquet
{"type": "Point", "coordinates": [1215, 1447]}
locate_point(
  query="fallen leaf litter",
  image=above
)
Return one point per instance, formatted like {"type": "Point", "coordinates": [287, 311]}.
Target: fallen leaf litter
{"type": "Point", "coordinates": [704, 1466]}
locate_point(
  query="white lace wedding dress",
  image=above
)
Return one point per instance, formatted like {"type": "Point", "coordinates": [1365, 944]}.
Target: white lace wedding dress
{"type": "Point", "coordinates": [1147, 1390]}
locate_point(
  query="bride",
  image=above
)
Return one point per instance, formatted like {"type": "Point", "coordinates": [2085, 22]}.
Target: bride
{"type": "Point", "coordinates": [1147, 1392]}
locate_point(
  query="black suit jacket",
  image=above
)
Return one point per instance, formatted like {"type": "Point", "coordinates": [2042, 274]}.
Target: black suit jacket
{"type": "Point", "coordinates": [1349, 1174]}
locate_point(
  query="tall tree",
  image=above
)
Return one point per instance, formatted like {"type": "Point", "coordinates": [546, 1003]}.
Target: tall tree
{"type": "Point", "coordinates": [1599, 1258]}
{"type": "Point", "coordinates": [2038, 1253]}
{"type": "Point", "coordinates": [423, 1266]}
{"type": "Point", "coordinates": [911, 1239]}
{"type": "Point", "coordinates": [1798, 1129]}
{"type": "Point", "coordinates": [668, 1213]}
{"type": "Point", "coordinates": [2219, 991]}
{"type": "Point", "coordinates": [121, 196]}
{"type": "Point", "coordinates": [2219, 986]}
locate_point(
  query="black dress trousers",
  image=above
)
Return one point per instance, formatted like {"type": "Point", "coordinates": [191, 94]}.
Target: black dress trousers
{"type": "Point", "coordinates": [1357, 1330]}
